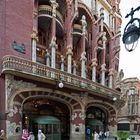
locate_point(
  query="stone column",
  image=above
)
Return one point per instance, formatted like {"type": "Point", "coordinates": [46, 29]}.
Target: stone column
{"type": "Point", "coordinates": [69, 54]}
{"type": "Point", "coordinates": [111, 78]}
{"type": "Point", "coordinates": [111, 20]}
{"type": "Point", "coordinates": [54, 5]}
{"type": "Point", "coordinates": [48, 58]}
{"type": "Point", "coordinates": [93, 65]}
{"type": "Point", "coordinates": [53, 47]}
{"type": "Point", "coordinates": [34, 40]}
{"type": "Point", "coordinates": [83, 55]}
{"type": "Point", "coordinates": [83, 60]}
{"type": "Point", "coordinates": [74, 68]}
{"type": "Point", "coordinates": [77, 126]}
{"type": "Point", "coordinates": [62, 63]}
{"type": "Point", "coordinates": [103, 66]}
{"type": "Point", "coordinates": [102, 18]}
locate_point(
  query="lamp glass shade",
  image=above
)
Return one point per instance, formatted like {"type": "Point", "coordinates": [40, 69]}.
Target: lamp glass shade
{"type": "Point", "coordinates": [130, 37]}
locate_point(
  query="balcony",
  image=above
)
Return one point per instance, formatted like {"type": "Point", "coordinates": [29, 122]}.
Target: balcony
{"type": "Point", "coordinates": [46, 10]}
{"type": "Point", "coordinates": [39, 72]}
{"type": "Point", "coordinates": [77, 30]}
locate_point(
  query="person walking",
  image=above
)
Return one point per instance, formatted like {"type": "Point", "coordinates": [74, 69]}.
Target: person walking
{"type": "Point", "coordinates": [31, 136]}
{"type": "Point", "coordinates": [3, 135]}
{"type": "Point", "coordinates": [41, 135]}
{"type": "Point", "coordinates": [96, 136]}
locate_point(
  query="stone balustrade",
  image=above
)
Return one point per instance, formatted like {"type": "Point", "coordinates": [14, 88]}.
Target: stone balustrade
{"type": "Point", "coordinates": [14, 65]}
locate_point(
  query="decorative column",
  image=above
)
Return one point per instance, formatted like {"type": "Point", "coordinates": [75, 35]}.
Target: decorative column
{"type": "Point", "coordinates": [111, 20]}
{"type": "Point", "coordinates": [83, 55]}
{"type": "Point", "coordinates": [103, 66]}
{"type": "Point", "coordinates": [53, 47]}
{"type": "Point", "coordinates": [48, 58]}
{"type": "Point", "coordinates": [83, 60]}
{"type": "Point", "coordinates": [62, 63]}
{"type": "Point", "coordinates": [74, 68]}
{"type": "Point", "coordinates": [54, 5]}
{"type": "Point", "coordinates": [93, 65]}
{"type": "Point", "coordinates": [69, 54]}
{"type": "Point", "coordinates": [34, 36]}
{"type": "Point", "coordinates": [94, 6]}
{"type": "Point", "coordinates": [102, 18]}
{"type": "Point", "coordinates": [77, 125]}
{"type": "Point", "coordinates": [34, 40]}
{"type": "Point", "coordinates": [111, 78]}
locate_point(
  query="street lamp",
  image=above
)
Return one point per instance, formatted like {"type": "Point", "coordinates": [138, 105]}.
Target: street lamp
{"type": "Point", "coordinates": [131, 31]}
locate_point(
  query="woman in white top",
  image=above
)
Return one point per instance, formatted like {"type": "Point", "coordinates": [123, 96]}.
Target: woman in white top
{"type": "Point", "coordinates": [41, 136]}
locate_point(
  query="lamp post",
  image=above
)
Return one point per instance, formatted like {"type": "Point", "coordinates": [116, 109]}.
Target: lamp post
{"type": "Point", "coordinates": [131, 31]}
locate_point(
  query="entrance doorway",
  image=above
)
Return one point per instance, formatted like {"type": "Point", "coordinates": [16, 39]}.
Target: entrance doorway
{"type": "Point", "coordinates": [96, 120]}
{"type": "Point", "coordinates": [51, 116]}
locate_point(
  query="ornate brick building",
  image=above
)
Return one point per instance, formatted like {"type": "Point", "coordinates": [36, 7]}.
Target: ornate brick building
{"type": "Point", "coordinates": [129, 114]}
{"type": "Point", "coordinates": [59, 62]}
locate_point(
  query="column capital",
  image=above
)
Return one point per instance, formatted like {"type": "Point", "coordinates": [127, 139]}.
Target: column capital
{"type": "Point", "coordinates": [34, 35]}
{"type": "Point", "coordinates": [94, 62]}
{"type": "Point", "coordinates": [103, 67]}
{"type": "Point", "coordinates": [111, 72]}
{"type": "Point", "coordinates": [104, 39]}
{"type": "Point", "coordinates": [53, 43]}
{"type": "Point", "coordinates": [83, 56]}
{"type": "Point", "coordinates": [54, 5]}
{"type": "Point", "coordinates": [69, 51]}
{"type": "Point", "coordinates": [35, 13]}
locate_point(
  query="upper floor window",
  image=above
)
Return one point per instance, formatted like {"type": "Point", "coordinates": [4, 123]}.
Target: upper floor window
{"type": "Point", "coordinates": [132, 102]}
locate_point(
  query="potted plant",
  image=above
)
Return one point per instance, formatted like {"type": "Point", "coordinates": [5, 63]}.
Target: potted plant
{"type": "Point", "coordinates": [123, 135]}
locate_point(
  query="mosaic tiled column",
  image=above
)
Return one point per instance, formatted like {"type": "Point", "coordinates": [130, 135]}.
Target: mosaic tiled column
{"type": "Point", "coordinates": [74, 67]}
{"type": "Point", "coordinates": [103, 66]}
{"type": "Point", "coordinates": [93, 65]}
{"type": "Point", "coordinates": [53, 47]}
{"type": "Point", "coordinates": [62, 63]}
{"type": "Point", "coordinates": [111, 78]}
{"type": "Point", "coordinates": [48, 58]}
{"type": "Point", "coordinates": [83, 58]}
{"type": "Point", "coordinates": [34, 40]}
{"type": "Point", "coordinates": [69, 59]}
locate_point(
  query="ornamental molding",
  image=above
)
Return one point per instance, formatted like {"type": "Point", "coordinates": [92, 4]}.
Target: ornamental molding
{"type": "Point", "coordinates": [12, 86]}
{"type": "Point", "coordinates": [11, 128]}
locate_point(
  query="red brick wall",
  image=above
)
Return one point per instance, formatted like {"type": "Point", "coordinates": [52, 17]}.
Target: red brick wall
{"type": "Point", "coordinates": [19, 23]}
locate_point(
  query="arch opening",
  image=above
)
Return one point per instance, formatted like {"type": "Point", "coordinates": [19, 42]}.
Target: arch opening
{"type": "Point", "coordinates": [51, 116]}
{"type": "Point", "coordinates": [96, 120]}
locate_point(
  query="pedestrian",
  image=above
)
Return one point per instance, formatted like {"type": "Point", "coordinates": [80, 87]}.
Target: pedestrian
{"type": "Point", "coordinates": [31, 136]}
{"type": "Point", "coordinates": [41, 135]}
{"type": "Point", "coordinates": [3, 135]}
{"type": "Point", "coordinates": [107, 134]}
{"type": "Point", "coordinates": [25, 135]}
{"type": "Point", "coordinates": [96, 136]}
{"type": "Point", "coordinates": [101, 135]}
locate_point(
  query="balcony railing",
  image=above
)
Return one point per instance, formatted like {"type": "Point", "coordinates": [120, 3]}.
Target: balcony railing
{"type": "Point", "coordinates": [47, 10]}
{"type": "Point", "coordinates": [77, 29]}
{"type": "Point", "coordinates": [14, 65]}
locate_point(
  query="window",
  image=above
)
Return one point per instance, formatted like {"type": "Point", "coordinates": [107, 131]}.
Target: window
{"type": "Point", "coordinates": [124, 126]}
{"type": "Point", "coordinates": [132, 102]}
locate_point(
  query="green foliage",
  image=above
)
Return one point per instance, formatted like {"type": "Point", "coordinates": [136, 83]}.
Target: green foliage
{"type": "Point", "coordinates": [123, 135]}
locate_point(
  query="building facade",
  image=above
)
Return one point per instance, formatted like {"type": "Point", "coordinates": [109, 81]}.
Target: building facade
{"type": "Point", "coordinates": [59, 63]}
{"type": "Point", "coordinates": [129, 114]}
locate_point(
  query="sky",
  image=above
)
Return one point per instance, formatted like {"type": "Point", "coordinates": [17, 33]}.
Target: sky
{"type": "Point", "coordinates": [129, 61]}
